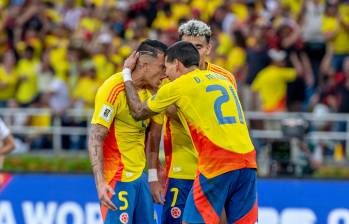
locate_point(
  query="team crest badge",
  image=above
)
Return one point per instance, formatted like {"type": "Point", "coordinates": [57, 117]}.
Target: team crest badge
{"type": "Point", "coordinates": [124, 218]}
{"type": "Point", "coordinates": [176, 212]}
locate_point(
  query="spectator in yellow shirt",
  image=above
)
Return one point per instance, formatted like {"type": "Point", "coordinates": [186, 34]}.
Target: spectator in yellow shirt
{"type": "Point", "coordinates": [8, 78]}
{"type": "Point", "coordinates": [28, 81]}
{"type": "Point", "coordinates": [335, 27]}
{"type": "Point", "coordinates": [86, 88]}
{"type": "Point", "coordinates": [271, 82]}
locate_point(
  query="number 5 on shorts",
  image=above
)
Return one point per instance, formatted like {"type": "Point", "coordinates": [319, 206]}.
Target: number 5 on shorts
{"type": "Point", "coordinates": [175, 196]}
{"type": "Point", "coordinates": [123, 199]}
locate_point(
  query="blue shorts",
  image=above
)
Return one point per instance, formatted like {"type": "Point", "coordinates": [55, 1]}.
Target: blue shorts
{"type": "Point", "coordinates": [133, 201]}
{"type": "Point", "coordinates": [235, 191]}
{"type": "Point", "coordinates": [176, 195]}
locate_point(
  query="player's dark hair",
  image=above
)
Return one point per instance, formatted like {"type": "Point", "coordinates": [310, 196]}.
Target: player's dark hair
{"type": "Point", "coordinates": [152, 48]}
{"type": "Point", "coordinates": [184, 52]}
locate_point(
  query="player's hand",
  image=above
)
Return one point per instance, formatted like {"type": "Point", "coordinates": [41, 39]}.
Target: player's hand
{"type": "Point", "coordinates": [157, 192]}
{"type": "Point", "coordinates": [131, 61]}
{"type": "Point", "coordinates": [104, 193]}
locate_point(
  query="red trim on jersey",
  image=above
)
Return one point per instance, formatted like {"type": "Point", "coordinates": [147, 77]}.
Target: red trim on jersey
{"type": "Point", "coordinates": [225, 73]}
{"type": "Point", "coordinates": [115, 92]}
{"type": "Point", "coordinates": [202, 204]}
{"type": "Point", "coordinates": [168, 149]}
{"type": "Point", "coordinates": [250, 217]}
{"type": "Point", "coordinates": [215, 160]}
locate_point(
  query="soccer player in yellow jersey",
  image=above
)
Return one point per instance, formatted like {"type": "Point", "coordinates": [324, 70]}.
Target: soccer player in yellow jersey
{"type": "Point", "coordinates": [210, 111]}
{"type": "Point", "coordinates": [180, 154]}
{"type": "Point", "coordinates": [116, 142]}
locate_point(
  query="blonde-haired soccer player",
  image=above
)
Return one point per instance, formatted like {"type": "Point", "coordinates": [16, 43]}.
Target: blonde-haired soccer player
{"type": "Point", "coordinates": [180, 154]}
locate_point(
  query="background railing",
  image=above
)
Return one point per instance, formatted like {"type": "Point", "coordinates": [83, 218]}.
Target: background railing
{"type": "Point", "coordinates": [57, 128]}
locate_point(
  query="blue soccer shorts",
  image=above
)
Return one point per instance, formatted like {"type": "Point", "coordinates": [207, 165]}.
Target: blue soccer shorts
{"type": "Point", "coordinates": [133, 201]}
{"type": "Point", "coordinates": [177, 192]}
{"type": "Point", "coordinates": [234, 191]}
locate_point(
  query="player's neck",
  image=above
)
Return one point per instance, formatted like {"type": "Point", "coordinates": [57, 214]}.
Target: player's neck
{"type": "Point", "coordinates": [190, 69]}
{"type": "Point", "coordinates": [204, 65]}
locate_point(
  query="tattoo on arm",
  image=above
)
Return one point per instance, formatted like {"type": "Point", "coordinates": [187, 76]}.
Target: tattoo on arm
{"type": "Point", "coordinates": [95, 148]}
{"type": "Point", "coordinates": [139, 110]}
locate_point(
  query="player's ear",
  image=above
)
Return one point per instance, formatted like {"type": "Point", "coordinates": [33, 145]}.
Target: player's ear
{"type": "Point", "coordinates": [143, 64]}
{"type": "Point", "coordinates": [209, 47]}
{"type": "Point", "coordinates": [177, 65]}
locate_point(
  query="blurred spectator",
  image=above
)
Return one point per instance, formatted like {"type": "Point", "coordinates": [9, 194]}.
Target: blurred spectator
{"type": "Point", "coordinates": [7, 143]}
{"type": "Point", "coordinates": [54, 91]}
{"type": "Point", "coordinates": [271, 82]}
{"type": "Point", "coordinates": [343, 88]}
{"type": "Point", "coordinates": [37, 139]}
{"type": "Point", "coordinates": [314, 41]}
{"type": "Point", "coordinates": [27, 69]}
{"type": "Point", "coordinates": [335, 27]}
{"type": "Point", "coordinates": [8, 78]}
{"type": "Point", "coordinates": [86, 88]}
{"type": "Point", "coordinates": [71, 14]}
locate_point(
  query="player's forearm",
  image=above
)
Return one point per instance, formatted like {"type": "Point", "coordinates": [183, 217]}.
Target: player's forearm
{"type": "Point", "coordinates": [139, 110]}
{"type": "Point", "coordinates": [9, 145]}
{"type": "Point", "coordinates": [153, 144]}
{"type": "Point", "coordinates": [95, 148]}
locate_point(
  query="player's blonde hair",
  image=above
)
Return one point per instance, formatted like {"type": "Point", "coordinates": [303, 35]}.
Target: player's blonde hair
{"type": "Point", "coordinates": [195, 28]}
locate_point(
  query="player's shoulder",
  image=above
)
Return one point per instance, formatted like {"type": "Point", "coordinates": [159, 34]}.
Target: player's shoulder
{"type": "Point", "coordinates": [111, 88]}
{"type": "Point", "coordinates": [114, 81]}
{"type": "Point", "coordinates": [218, 69]}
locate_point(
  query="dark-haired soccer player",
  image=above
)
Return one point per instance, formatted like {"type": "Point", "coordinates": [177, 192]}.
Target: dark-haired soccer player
{"type": "Point", "coordinates": [116, 142]}
{"type": "Point", "coordinates": [180, 155]}
{"type": "Point", "coordinates": [209, 109]}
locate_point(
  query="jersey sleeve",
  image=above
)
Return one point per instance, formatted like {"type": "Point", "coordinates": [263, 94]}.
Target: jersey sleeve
{"type": "Point", "coordinates": [289, 74]}
{"type": "Point", "coordinates": [166, 96]}
{"type": "Point", "coordinates": [159, 118]}
{"type": "Point", "coordinates": [106, 104]}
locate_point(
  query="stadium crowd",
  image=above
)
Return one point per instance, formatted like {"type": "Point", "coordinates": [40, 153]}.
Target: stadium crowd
{"type": "Point", "coordinates": [287, 55]}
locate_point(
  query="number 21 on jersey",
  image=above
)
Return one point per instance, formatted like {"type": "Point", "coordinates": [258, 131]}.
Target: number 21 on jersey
{"type": "Point", "coordinates": [225, 98]}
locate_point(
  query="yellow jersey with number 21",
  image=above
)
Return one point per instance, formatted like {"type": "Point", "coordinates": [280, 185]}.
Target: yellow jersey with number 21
{"type": "Point", "coordinates": [210, 110]}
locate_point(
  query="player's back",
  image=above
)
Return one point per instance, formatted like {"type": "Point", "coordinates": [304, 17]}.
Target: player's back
{"type": "Point", "coordinates": [211, 109]}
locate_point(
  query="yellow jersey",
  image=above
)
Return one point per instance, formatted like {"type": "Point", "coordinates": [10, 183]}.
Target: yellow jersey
{"type": "Point", "coordinates": [85, 90]}
{"type": "Point", "coordinates": [123, 147]}
{"type": "Point", "coordinates": [180, 155]}
{"type": "Point", "coordinates": [209, 109]}
{"type": "Point", "coordinates": [271, 84]}
{"type": "Point", "coordinates": [340, 41]}
{"type": "Point", "coordinates": [27, 89]}
{"type": "Point", "coordinates": [10, 80]}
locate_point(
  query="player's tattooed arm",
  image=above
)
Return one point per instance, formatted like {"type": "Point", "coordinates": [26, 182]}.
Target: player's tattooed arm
{"type": "Point", "coordinates": [95, 149]}
{"type": "Point", "coordinates": [139, 110]}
